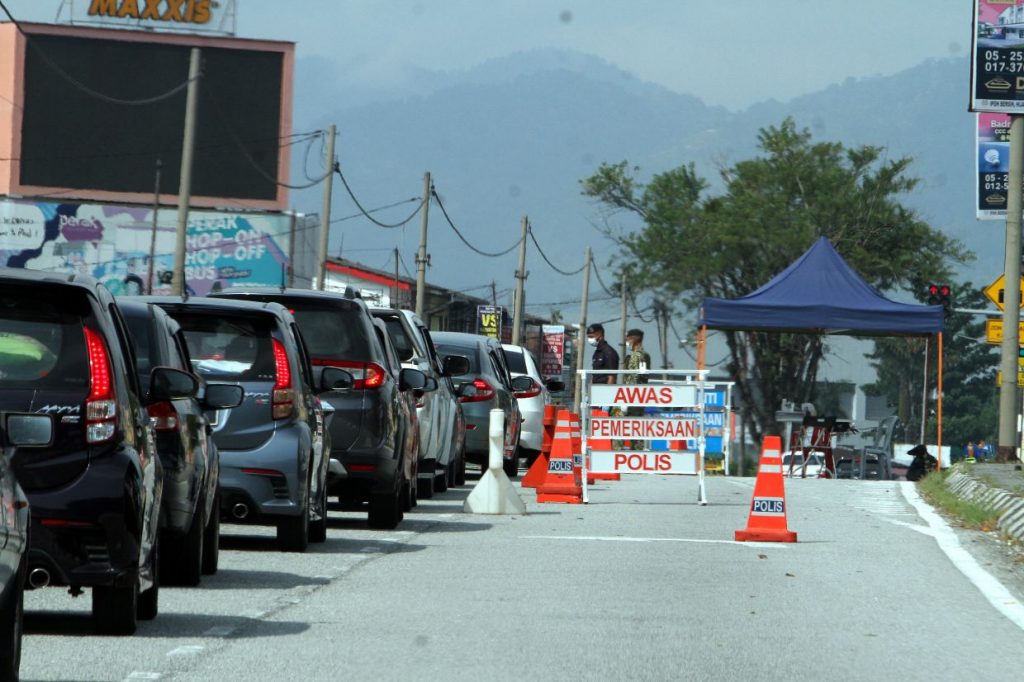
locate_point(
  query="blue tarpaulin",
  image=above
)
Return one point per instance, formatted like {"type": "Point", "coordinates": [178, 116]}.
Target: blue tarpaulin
{"type": "Point", "coordinates": [819, 292]}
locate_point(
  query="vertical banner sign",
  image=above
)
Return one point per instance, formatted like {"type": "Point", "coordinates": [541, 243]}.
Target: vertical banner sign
{"type": "Point", "coordinates": [993, 165]}
{"type": "Point", "coordinates": [488, 321]}
{"type": "Point", "coordinates": [997, 71]}
{"type": "Point", "coordinates": [552, 350]}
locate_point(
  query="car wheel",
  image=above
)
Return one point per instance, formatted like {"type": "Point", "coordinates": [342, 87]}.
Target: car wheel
{"type": "Point", "coordinates": [115, 609]}
{"type": "Point", "coordinates": [183, 560]}
{"type": "Point", "coordinates": [293, 532]}
{"type": "Point", "coordinates": [425, 488]}
{"type": "Point", "coordinates": [13, 612]}
{"type": "Point", "coordinates": [460, 469]}
{"type": "Point", "coordinates": [441, 481]}
{"type": "Point", "coordinates": [211, 539]}
{"type": "Point", "coordinates": [385, 510]}
{"type": "Point", "coordinates": [318, 528]}
{"type": "Point", "coordinates": [148, 602]}
{"type": "Point", "coordinates": [511, 466]}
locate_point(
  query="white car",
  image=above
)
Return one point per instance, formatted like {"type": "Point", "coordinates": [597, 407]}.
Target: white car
{"type": "Point", "coordinates": [793, 464]}
{"type": "Point", "coordinates": [531, 402]}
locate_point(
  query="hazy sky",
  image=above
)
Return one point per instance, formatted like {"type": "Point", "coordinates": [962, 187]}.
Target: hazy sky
{"type": "Point", "coordinates": [728, 53]}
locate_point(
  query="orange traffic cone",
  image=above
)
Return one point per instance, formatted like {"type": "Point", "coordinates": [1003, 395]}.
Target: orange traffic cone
{"type": "Point", "coordinates": [562, 481]}
{"type": "Point", "coordinates": [767, 520]}
{"type": "Point", "coordinates": [538, 471]}
{"type": "Point", "coordinates": [600, 444]}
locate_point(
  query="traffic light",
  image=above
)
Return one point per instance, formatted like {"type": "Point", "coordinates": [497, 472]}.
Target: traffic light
{"type": "Point", "coordinates": [940, 294]}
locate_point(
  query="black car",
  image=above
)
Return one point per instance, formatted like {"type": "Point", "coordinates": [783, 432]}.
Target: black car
{"type": "Point", "coordinates": [373, 458]}
{"type": "Point", "coordinates": [190, 507]}
{"type": "Point", "coordinates": [27, 430]}
{"type": "Point", "coordinates": [95, 488]}
{"type": "Point", "coordinates": [273, 447]}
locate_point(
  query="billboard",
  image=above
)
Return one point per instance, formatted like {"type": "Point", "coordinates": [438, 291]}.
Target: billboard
{"type": "Point", "coordinates": [993, 165]}
{"type": "Point", "coordinates": [997, 57]}
{"type": "Point", "coordinates": [488, 321]}
{"type": "Point", "coordinates": [552, 356]}
{"type": "Point", "coordinates": [112, 243]}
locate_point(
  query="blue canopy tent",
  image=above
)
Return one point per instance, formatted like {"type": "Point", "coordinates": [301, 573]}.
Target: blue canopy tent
{"type": "Point", "coordinates": [819, 293]}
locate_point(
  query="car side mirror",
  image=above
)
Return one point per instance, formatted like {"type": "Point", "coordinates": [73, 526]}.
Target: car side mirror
{"type": "Point", "coordinates": [430, 385]}
{"type": "Point", "coordinates": [523, 384]}
{"type": "Point", "coordinates": [411, 379]}
{"type": "Point", "coordinates": [335, 379]}
{"type": "Point", "coordinates": [455, 365]}
{"type": "Point", "coordinates": [167, 383]}
{"type": "Point", "coordinates": [555, 385]}
{"type": "Point", "coordinates": [28, 430]}
{"type": "Point", "coordinates": [222, 397]}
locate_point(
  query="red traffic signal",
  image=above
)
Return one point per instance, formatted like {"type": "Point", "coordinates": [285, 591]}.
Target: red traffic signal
{"type": "Point", "coordinates": [940, 294]}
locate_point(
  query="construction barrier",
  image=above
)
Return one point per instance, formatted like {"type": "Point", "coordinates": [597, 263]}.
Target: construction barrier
{"type": "Point", "coordinates": [562, 482]}
{"type": "Point", "coordinates": [767, 520]}
{"type": "Point", "coordinates": [600, 444]}
{"type": "Point", "coordinates": [494, 493]}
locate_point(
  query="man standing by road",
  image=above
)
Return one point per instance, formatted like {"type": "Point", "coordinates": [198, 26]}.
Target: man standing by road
{"type": "Point", "coordinates": [638, 358]}
{"type": "Point", "coordinates": [605, 356]}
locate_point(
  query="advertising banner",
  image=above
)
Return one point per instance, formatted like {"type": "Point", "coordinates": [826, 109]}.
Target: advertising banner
{"type": "Point", "coordinates": [488, 321]}
{"type": "Point", "coordinates": [552, 356]}
{"type": "Point", "coordinates": [993, 165]}
{"type": "Point", "coordinates": [997, 57]}
{"type": "Point", "coordinates": [112, 244]}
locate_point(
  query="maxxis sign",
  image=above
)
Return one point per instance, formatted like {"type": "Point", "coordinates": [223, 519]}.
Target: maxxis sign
{"type": "Point", "coordinates": [198, 12]}
{"type": "Point", "coordinates": [997, 56]}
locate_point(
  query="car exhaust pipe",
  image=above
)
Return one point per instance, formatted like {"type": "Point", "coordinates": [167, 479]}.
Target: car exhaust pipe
{"type": "Point", "coordinates": [38, 577]}
{"type": "Point", "coordinates": [240, 510]}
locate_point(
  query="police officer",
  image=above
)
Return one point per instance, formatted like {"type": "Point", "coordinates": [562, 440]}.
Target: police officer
{"type": "Point", "coordinates": [605, 356]}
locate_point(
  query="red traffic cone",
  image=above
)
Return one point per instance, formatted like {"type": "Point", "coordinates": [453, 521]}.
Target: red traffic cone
{"type": "Point", "coordinates": [767, 520]}
{"type": "Point", "coordinates": [562, 481]}
{"type": "Point", "coordinates": [539, 469]}
{"type": "Point", "coordinates": [603, 444]}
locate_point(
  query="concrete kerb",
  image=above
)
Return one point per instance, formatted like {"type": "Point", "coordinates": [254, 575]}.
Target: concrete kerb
{"type": "Point", "coordinates": [1010, 505]}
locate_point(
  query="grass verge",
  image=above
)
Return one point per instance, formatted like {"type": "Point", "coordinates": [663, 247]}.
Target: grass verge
{"type": "Point", "coordinates": [969, 514]}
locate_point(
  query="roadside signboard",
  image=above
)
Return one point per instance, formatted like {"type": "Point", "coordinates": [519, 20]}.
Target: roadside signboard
{"type": "Point", "coordinates": [552, 350]}
{"type": "Point", "coordinates": [643, 428]}
{"type": "Point", "coordinates": [488, 321]}
{"type": "Point", "coordinates": [1020, 378]}
{"type": "Point", "coordinates": [996, 290]}
{"type": "Point", "coordinates": [994, 331]}
{"type": "Point", "coordinates": [997, 57]}
{"type": "Point", "coordinates": [649, 462]}
{"type": "Point", "coordinates": [643, 395]}
{"type": "Point", "coordinates": [993, 165]}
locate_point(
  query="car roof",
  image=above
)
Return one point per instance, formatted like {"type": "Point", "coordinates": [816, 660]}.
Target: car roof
{"type": "Point", "coordinates": [84, 281]}
{"type": "Point", "coordinates": [213, 304]}
{"type": "Point", "coordinates": [462, 338]}
{"type": "Point", "coordinates": [315, 294]}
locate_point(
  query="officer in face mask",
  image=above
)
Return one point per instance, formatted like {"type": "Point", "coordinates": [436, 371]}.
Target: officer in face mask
{"type": "Point", "coordinates": [605, 356]}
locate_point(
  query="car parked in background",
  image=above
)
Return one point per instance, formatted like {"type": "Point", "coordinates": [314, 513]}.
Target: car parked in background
{"type": "Point", "coordinates": [95, 485]}
{"type": "Point", "coordinates": [532, 400]}
{"type": "Point", "coordinates": [273, 447]}
{"type": "Point", "coordinates": [373, 455]}
{"type": "Point", "coordinates": [15, 429]}
{"type": "Point", "coordinates": [442, 424]}
{"type": "Point", "coordinates": [190, 505]}
{"type": "Point", "coordinates": [485, 385]}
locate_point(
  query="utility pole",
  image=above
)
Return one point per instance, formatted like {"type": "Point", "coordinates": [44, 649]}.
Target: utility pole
{"type": "Point", "coordinates": [291, 247]}
{"type": "Point", "coordinates": [1011, 297]}
{"type": "Point", "coordinates": [325, 211]}
{"type": "Point", "coordinates": [185, 180]}
{"type": "Point", "coordinates": [422, 259]}
{"type": "Point", "coordinates": [156, 222]}
{"type": "Point", "coordinates": [625, 321]}
{"type": "Point", "coordinates": [517, 313]}
{"type": "Point", "coordinates": [395, 289]}
{"type": "Point", "coordinates": [494, 294]}
{"type": "Point", "coordinates": [581, 340]}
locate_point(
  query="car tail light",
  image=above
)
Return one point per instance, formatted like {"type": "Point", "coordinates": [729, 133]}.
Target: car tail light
{"type": "Point", "coordinates": [164, 417]}
{"type": "Point", "coordinates": [364, 374]}
{"type": "Point", "coordinates": [531, 392]}
{"type": "Point", "coordinates": [101, 405]}
{"type": "Point", "coordinates": [361, 468]}
{"type": "Point", "coordinates": [283, 396]}
{"type": "Point", "coordinates": [484, 391]}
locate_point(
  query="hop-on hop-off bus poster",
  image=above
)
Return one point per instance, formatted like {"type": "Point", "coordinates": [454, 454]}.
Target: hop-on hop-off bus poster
{"type": "Point", "coordinates": [112, 243]}
{"type": "Point", "coordinates": [997, 70]}
{"type": "Point", "coordinates": [993, 165]}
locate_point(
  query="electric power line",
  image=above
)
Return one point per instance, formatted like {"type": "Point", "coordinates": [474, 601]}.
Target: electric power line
{"type": "Point", "coordinates": [597, 273]}
{"type": "Point", "coordinates": [548, 260]}
{"type": "Point", "coordinates": [463, 238]}
{"type": "Point", "coordinates": [365, 213]}
{"type": "Point", "coordinates": [83, 87]}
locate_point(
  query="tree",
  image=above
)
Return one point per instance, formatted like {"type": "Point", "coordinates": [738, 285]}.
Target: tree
{"type": "Point", "coordinates": [691, 244]}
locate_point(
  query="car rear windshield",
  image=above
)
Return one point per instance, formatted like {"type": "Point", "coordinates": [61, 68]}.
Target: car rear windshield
{"type": "Point", "coordinates": [227, 347]}
{"type": "Point", "coordinates": [42, 344]}
{"type": "Point", "coordinates": [333, 333]}
{"type": "Point", "coordinates": [516, 361]}
{"type": "Point", "coordinates": [469, 352]}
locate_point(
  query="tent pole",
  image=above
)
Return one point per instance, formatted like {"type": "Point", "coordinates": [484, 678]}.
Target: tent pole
{"type": "Point", "coordinates": [702, 346]}
{"type": "Point", "coordinates": [924, 393]}
{"type": "Point", "coordinates": [938, 406]}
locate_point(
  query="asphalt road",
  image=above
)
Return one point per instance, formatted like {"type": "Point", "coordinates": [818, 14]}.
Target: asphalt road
{"type": "Point", "coordinates": [640, 584]}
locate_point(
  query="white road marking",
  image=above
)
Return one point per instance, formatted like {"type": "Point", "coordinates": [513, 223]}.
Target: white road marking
{"type": "Point", "coordinates": [220, 631]}
{"type": "Point", "coordinates": [144, 676]}
{"type": "Point", "coordinates": [629, 539]}
{"type": "Point", "coordinates": [187, 650]}
{"type": "Point", "coordinates": [987, 584]}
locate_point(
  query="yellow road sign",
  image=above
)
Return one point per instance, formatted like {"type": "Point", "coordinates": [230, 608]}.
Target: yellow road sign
{"type": "Point", "coordinates": [995, 291]}
{"type": "Point", "coordinates": [1020, 379]}
{"type": "Point", "coordinates": [994, 331]}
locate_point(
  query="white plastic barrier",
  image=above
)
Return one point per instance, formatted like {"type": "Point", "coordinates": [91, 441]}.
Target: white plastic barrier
{"type": "Point", "coordinates": [494, 493]}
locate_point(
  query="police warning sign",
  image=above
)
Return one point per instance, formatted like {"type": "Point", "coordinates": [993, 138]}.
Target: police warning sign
{"type": "Point", "coordinates": [643, 395]}
{"type": "Point", "coordinates": [768, 506]}
{"type": "Point", "coordinates": [612, 462]}
{"type": "Point", "coordinates": [635, 428]}
{"type": "Point", "coordinates": [560, 466]}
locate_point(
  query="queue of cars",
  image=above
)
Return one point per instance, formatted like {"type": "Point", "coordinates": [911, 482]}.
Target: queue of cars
{"type": "Point", "coordinates": [132, 427]}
